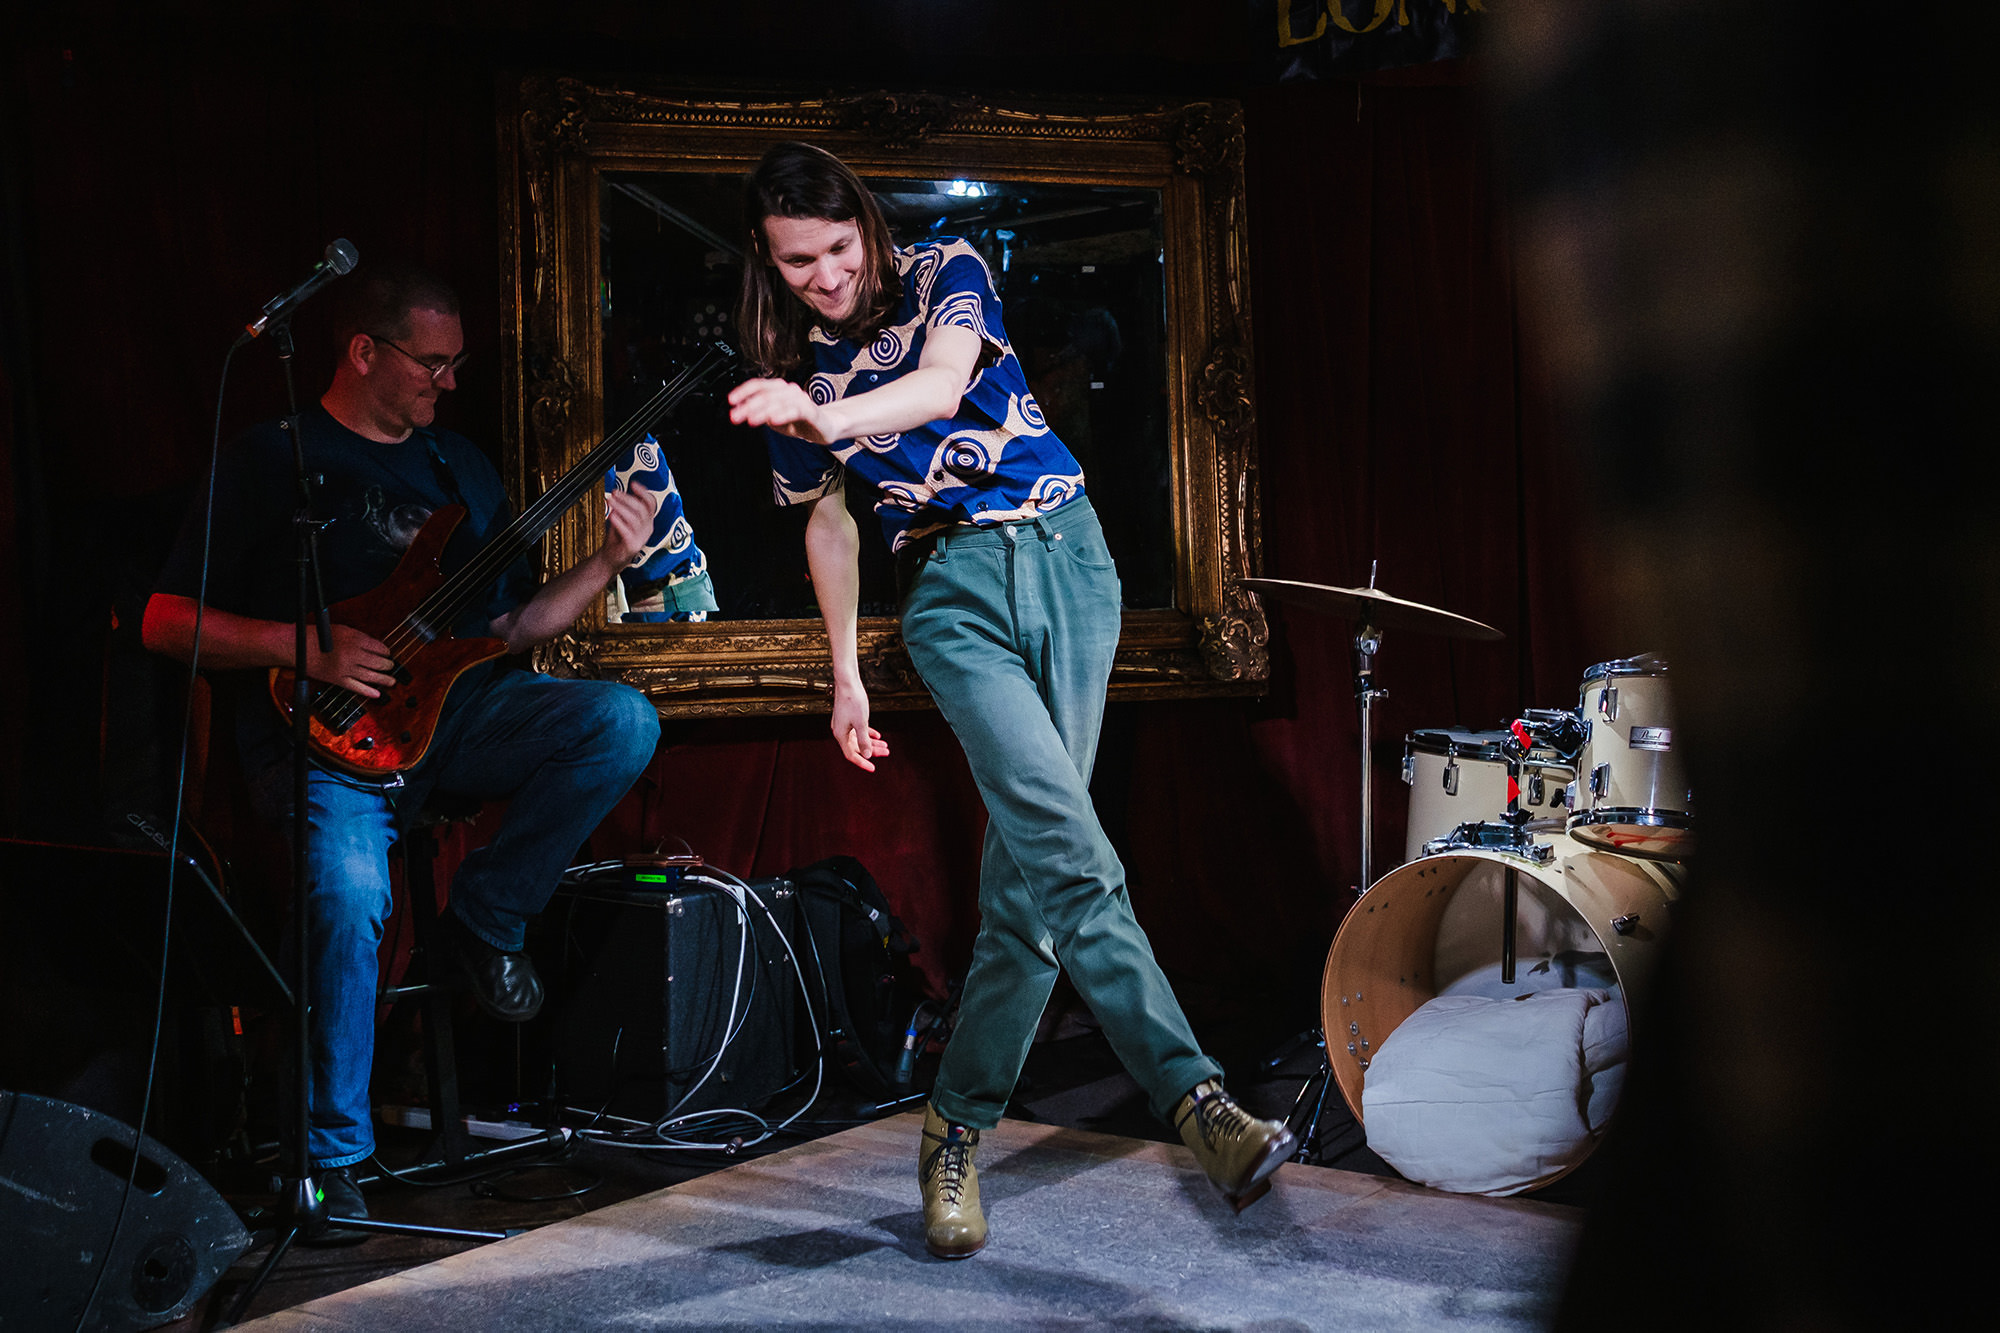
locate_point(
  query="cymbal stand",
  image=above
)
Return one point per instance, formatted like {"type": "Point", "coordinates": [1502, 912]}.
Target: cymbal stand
{"type": "Point", "coordinates": [1367, 643]}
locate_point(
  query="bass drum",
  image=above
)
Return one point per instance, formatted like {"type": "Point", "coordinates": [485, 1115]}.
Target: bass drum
{"type": "Point", "coordinates": [1433, 927]}
{"type": "Point", "coordinates": [1631, 794]}
{"type": "Point", "coordinates": [1460, 777]}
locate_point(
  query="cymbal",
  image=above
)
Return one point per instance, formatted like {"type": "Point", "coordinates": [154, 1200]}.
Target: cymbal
{"type": "Point", "coordinates": [1377, 608]}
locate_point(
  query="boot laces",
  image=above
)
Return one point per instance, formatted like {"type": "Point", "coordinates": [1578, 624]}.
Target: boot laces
{"type": "Point", "coordinates": [949, 1163]}
{"type": "Point", "coordinates": [1217, 1116]}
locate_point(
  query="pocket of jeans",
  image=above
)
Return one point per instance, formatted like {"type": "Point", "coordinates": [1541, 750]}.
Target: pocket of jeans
{"type": "Point", "coordinates": [1088, 550]}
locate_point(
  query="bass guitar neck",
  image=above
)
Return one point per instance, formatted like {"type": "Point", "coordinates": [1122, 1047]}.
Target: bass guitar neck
{"type": "Point", "coordinates": [413, 610]}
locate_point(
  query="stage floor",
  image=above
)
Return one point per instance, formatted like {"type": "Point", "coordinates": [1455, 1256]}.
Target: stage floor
{"type": "Point", "coordinates": [1088, 1230]}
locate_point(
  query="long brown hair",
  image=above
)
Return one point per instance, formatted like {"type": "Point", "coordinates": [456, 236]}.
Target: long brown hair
{"type": "Point", "coordinates": [797, 180]}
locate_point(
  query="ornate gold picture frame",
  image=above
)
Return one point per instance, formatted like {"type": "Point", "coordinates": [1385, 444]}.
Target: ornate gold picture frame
{"type": "Point", "coordinates": [564, 142]}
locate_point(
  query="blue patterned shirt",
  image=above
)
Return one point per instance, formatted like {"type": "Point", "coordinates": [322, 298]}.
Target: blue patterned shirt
{"type": "Point", "coordinates": [668, 580]}
{"type": "Point", "coordinates": [995, 462]}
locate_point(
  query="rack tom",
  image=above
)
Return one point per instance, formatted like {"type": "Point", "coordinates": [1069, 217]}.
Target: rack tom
{"type": "Point", "coordinates": [1460, 777]}
{"type": "Point", "coordinates": [1631, 793]}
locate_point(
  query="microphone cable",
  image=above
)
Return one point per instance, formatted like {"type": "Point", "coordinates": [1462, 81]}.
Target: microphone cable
{"type": "Point", "coordinates": [173, 857]}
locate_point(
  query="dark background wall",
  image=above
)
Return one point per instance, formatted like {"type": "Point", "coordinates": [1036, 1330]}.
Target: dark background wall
{"type": "Point", "coordinates": [166, 175]}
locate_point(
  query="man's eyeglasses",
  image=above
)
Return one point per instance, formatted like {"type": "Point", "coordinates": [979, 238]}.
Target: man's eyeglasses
{"type": "Point", "coordinates": [436, 369]}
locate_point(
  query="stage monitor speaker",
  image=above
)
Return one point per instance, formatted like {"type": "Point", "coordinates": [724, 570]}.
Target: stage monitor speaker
{"type": "Point", "coordinates": [646, 991]}
{"type": "Point", "coordinates": [64, 1169]}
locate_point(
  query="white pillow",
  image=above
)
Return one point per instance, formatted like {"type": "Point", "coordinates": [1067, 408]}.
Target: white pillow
{"type": "Point", "coordinates": [1487, 1096]}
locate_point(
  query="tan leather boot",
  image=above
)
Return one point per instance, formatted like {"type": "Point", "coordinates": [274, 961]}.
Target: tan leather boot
{"type": "Point", "coordinates": [1239, 1151]}
{"type": "Point", "coordinates": [954, 1223]}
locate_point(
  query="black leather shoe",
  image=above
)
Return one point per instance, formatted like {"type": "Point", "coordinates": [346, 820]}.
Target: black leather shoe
{"type": "Point", "coordinates": [342, 1198]}
{"type": "Point", "coordinates": [505, 984]}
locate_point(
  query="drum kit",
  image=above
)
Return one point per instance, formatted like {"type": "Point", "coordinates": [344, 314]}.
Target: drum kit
{"type": "Point", "coordinates": [1558, 839]}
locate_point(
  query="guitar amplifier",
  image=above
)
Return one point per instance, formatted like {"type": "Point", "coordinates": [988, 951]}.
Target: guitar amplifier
{"type": "Point", "coordinates": [668, 994]}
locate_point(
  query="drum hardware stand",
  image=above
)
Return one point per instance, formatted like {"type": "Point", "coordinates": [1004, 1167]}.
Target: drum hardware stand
{"type": "Point", "coordinates": [1562, 731]}
{"type": "Point", "coordinates": [1367, 643]}
{"type": "Point", "coordinates": [1513, 750]}
{"type": "Point", "coordinates": [1371, 609]}
{"type": "Point", "coordinates": [1314, 1089]}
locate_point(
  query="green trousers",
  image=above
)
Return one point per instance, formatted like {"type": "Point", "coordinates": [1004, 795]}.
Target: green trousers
{"type": "Point", "coordinates": [1014, 629]}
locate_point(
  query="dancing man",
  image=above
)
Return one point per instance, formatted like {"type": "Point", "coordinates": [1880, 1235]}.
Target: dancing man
{"type": "Point", "coordinates": [892, 365]}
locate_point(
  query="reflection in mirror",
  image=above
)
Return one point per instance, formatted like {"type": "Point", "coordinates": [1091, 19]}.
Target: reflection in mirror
{"type": "Point", "coordinates": [1115, 231]}
{"type": "Point", "coordinates": [1079, 269]}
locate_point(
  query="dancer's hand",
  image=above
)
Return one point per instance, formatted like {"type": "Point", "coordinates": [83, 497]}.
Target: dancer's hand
{"type": "Point", "coordinates": [859, 743]}
{"type": "Point", "coordinates": [628, 523]}
{"type": "Point", "coordinates": [784, 407]}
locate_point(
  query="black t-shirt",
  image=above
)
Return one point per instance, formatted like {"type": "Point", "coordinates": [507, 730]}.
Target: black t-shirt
{"type": "Point", "coordinates": [372, 497]}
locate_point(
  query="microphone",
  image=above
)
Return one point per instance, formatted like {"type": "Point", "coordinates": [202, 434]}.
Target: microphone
{"type": "Point", "coordinates": [341, 257]}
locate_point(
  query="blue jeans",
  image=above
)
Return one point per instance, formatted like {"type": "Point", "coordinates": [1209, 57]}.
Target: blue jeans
{"type": "Point", "coordinates": [1014, 630]}
{"type": "Point", "coordinates": [562, 751]}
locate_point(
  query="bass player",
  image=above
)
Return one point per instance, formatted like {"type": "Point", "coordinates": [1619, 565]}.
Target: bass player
{"type": "Point", "coordinates": [561, 751]}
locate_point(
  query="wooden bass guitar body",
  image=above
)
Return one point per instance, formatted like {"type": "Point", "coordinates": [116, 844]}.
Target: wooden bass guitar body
{"type": "Point", "coordinates": [376, 738]}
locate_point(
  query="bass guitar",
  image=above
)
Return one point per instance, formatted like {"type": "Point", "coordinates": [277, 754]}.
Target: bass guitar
{"type": "Point", "coordinates": [411, 611]}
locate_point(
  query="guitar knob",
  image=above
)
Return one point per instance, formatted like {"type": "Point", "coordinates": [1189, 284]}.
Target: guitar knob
{"type": "Point", "coordinates": [365, 743]}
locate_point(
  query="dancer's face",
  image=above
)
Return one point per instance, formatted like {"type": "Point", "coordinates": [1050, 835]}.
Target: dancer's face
{"type": "Point", "coordinates": [820, 260]}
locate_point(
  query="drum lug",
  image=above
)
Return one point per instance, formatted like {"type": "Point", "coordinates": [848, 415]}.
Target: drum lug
{"type": "Point", "coordinates": [1450, 777]}
{"type": "Point", "coordinates": [1625, 925]}
{"type": "Point", "coordinates": [1409, 769]}
{"type": "Point", "coordinates": [1600, 779]}
{"type": "Point", "coordinates": [1569, 796]}
{"type": "Point", "coordinates": [1607, 703]}
{"type": "Point", "coordinates": [1537, 791]}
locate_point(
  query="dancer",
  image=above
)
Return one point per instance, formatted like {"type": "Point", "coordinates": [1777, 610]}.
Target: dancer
{"type": "Point", "coordinates": [891, 364]}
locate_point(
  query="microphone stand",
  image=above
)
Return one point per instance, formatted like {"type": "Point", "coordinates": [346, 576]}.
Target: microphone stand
{"type": "Point", "coordinates": [301, 1203]}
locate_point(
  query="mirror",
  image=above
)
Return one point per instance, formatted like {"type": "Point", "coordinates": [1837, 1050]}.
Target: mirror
{"type": "Point", "coordinates": [1114, 233]}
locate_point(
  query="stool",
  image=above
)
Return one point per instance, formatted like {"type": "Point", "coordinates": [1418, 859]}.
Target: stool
{"type": "Point", "coordinates": [451, 1145]}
